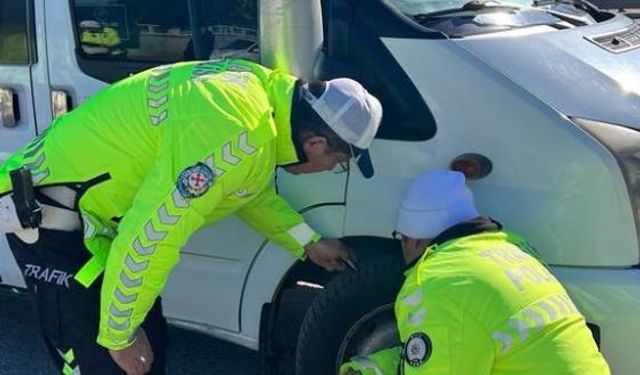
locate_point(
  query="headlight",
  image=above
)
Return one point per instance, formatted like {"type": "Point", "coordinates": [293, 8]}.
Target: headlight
{"type": "Point", "coordinates": [624, 144]}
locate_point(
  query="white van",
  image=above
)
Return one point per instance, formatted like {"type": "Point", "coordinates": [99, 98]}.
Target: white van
{"type": "Point", "coordinates": [539, 99]}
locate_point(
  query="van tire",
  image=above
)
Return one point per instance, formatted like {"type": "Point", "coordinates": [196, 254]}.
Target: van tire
{"type": "Point", "coordinates": [346, 299]}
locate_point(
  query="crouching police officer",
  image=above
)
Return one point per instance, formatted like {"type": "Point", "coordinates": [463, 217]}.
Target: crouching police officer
{"type": "Point", "coordinates": [473, 302]}
{"type": "Point", "coordinates": [121, 183]}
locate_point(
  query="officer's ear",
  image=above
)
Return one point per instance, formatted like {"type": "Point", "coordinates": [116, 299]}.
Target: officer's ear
{"type": "Point", "coordinates": [314, 146]}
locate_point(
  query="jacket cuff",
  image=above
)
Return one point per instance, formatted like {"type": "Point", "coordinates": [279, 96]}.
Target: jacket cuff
{"type": "Point", "coordinates": [302, 235]}
{"type": "Point", "coordinates": [113, 343]}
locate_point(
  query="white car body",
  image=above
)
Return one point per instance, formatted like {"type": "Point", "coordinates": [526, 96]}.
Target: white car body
{"type": "Point", "coordinates": [552, 182]}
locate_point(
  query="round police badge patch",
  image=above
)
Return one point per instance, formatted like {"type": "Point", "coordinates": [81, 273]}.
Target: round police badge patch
{"type": "Point", "coordinates": [417, 350]}
{"type": "Point", "coordinates": [195, 181]}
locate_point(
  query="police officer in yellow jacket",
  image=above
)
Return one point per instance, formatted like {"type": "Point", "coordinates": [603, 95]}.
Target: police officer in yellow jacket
{"type": "Point", "coordinates": [99, 40]}
{"type": "Point", "coordinates": [473, 302]}
{"type": "Point", "coordinates": [144, 164]}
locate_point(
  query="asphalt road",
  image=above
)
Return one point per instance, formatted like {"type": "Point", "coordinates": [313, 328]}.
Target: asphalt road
{"type": "Point", "coordinates": [22, 352]}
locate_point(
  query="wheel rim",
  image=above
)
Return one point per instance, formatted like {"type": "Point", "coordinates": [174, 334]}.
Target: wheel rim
{"type": "Point", "coordinates": [374, 331]}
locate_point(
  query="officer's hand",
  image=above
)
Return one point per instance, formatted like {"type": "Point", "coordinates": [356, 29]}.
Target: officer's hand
{"type": "Point", "coordinates": [136, 359]}
{"type": "Point", "coordinates": [330, 254]}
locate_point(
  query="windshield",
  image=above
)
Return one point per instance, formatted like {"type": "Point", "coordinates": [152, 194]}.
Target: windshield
{"type": "Point", "coordinates": [413, 7]}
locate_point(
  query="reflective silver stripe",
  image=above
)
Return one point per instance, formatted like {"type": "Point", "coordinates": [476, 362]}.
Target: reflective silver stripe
{"type": "Point", "coordinates": [158, 95]}
{"type": "Point", "coordinates": [535, 316]}
{"type": "Point", "coordinates": [123, 298]}
{"type": "Point", "coordinates": [36, 148]}
{"type": "Point", "coordinates": [162, 74]}
{"type": "Point", "coordinates": [417, 317]}
{"type": "Point", "coordinates": [414, 299]}
{"type": "Point", "coordinates": [119, 327]}
{"type": "Point", "coordinates": [560, 304]}
{"type": "Point", "coordinates": [66, 358]}
{"type": "Point", "coordinates": [152, 233]}
{"type": "Point", "coordinates": [155, 120]}
{"type": "Point", "coordinates": [572, 308]}
{"type": "Point", "coordinates": [135, 267]}
{"type": "Point", "coordinates": [67, 361]}
{"type": "Point", "coordinates": [119, 313]}
{"type": "Point", "coordinates": [243, 144]}
{"type": "Point", "coordinates": [228, 156]}
{"type": "Point", "coordinates": [244, 192]}
{"type": "Point", "coordinates": [165, 217]}
{"type": "Point", "coordinates": [178, 199]}
{"type": "Point", "coordinates": [302, 233]}
{"type": "Point", "coordinates": [210, 162]}
{"type": "Point", "coordinates": [129, 282]}
{"type": "Point", "coordinates": [553, 314]}
{"type": "Point", "coordinates": [89, 226]}
{"type": "Point", "coordinates": [206, 69]}
{"type": "Point", "coordinates": [141, 250]}
{"type": "Point", "coordinates": [40, 176]}
{"type": "Point", "coordinates": [367, 364]}
{"type": "Point", "coordinates": [156, 103]}
{"type": "Point", "coordinates": [38, 163]}
{"type": "Point", "coordinates": [521, 326]}
{"type": "Point", "coordinates": [239, 68]}
{"type": "Point", "coordinates": [157, 88]}
{"type": "Point", "coordinates": [504, 339]}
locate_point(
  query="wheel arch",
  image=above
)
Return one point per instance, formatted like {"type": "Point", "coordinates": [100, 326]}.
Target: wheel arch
{"type": "Point", "coordinates": [295, 285]}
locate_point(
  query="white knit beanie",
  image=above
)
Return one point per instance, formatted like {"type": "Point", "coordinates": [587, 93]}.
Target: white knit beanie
{"type": "Point", "coordinates": [435, 202]}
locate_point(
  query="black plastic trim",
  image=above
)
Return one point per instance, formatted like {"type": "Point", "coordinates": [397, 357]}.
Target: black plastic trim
{"type": "Point", "coordinates": [354, 41]}
{"type": "Point", "coordinates": [32, 45]}
{"type": "Point", "coordinates": [16, 107]}
{"type": "Point", "coordinates": [389, 22]}
{"type": "Point", "coordinates": [406, 115]}
{"type": "Point", "coordinates": [266, 335]}
{"type": "Point", "coordinates": [595, 331]}
{"type": "Point", "coordinates": [378, 15]}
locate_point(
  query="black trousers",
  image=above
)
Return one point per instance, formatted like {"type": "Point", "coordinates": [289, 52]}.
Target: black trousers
{"type": "Point", "coordinates": [69, 313]}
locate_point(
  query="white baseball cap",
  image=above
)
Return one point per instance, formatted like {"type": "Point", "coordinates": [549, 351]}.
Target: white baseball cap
{"type": "Point", "coordinates": [435, 202]}
{"type": "Point", "coordinates": [352, 113]}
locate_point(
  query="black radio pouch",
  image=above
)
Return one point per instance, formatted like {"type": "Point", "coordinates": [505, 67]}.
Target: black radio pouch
{"type": "Point", "coordinates": [28, 210]}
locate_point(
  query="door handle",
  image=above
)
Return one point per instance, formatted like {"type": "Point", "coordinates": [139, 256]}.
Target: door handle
{"type": "Point", "coordinates": [9, 108]}
{"type": "Point", "coordinates": [60, 103]}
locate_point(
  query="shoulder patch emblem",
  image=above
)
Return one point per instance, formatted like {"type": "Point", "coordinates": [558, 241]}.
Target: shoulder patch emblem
{"type": "Point", "coordinates": [195, 181]}
{"type": "Point", "coordinates": [418, 349]}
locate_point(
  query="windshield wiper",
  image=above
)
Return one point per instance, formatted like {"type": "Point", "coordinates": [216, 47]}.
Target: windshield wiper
{"type": "Point", "coordinates": [580, 4]}
{"type": "Point", "coordinates": [468, 6]}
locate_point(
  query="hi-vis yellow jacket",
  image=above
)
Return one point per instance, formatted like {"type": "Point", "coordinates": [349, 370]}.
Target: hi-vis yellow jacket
{"type": "Point", "coordinates": [160, 155]}
{"type": "Point", "coordinates": [107, 37]}
{"type": "Point", "coordinates": [478, 305]}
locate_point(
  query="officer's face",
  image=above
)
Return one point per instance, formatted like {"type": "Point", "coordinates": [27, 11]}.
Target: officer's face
{"type": "Point", "coordinates": [319, 157]}
{"type": "Point", "coordinates": [413, 247]}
